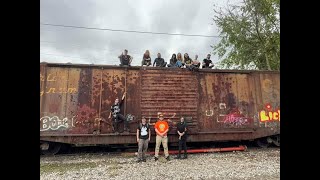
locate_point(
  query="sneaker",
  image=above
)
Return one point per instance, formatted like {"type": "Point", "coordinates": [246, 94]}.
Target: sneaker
{"type": "Point", "coordinates": [178, 157]}
{"type": "Point", "coordinates": [144, 160]}
{"type": "Point", "coordinates": [139, 160]}
{"type": "Point", "coordinates": [155, 159]}
{"type": "Point", "coordinates": [168, 158]}
{"type": "Point", "coordinates": [185, 157]}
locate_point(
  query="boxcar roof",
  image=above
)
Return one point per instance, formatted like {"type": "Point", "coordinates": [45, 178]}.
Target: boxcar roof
{"type": "Point", "coordinates": [139, 67]}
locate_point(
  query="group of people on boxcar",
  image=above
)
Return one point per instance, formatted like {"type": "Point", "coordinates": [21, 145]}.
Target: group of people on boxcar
{"type": "Point", "coordinates": [176, 61]}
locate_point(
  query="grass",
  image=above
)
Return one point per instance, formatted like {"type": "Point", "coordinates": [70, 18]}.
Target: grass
{"type": "Point", "coordinates": [63, 167]}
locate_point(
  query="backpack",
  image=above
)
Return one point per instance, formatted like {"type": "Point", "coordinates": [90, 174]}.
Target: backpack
{"type": "Point", "coordinates": [140, 125]}
{"type": "Point", "coordinates": [129, 117]}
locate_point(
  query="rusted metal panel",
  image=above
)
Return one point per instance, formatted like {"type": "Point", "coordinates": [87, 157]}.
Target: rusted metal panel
{"type": "Point", "coordinates": [83, 113]}
{"type": "Point", "coordinates": [203, 108]}
{"type": "Point", "coordinates": [224, 102]}
{"type": "Point", "coordinates": [75, 98]}
{"type": "Point", "coordinates": [133, 99]}
{"type": "Point", "coordinates": [173, 92]}
{"type": "Point", "coordinates": [53, 96]}
{"type": "Point", "coordinates": [269, 114]}
{"type": "Point", "coordinates": [253, 96]}
{"type": "Point", "coordinates": [107, 99]}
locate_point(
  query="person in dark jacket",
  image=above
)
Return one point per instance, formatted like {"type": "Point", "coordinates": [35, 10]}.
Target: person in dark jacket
{"type": "Point", "coordinates": [125, 59]}
{"type": "Point", "coordinates": [182, 131]}
{"type": "Point", "coordinates": [159, 61]}
{"type": "Point", "coordinates": [173, 61]}
{"type": "Point", "coordinates": [146, 59]}
{"type": "Point", "coordinates": [117, 117]}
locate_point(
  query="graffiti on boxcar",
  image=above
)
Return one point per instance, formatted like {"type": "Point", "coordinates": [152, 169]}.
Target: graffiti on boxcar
{"type": "Point", "coordinates": [229, 117]}
{"type": "Point", "coordinates": [85, 122]}
{"type": "Point", "coordinates": [51, 89]}
{"type": "Point", "coordinates": [234, 118]}
{"type": "Point", "coordinates": [55, 123]}
{"type": "Point", "coordinates": [209, 113]}
{"type": "Point", "coordinates": [269, 114]}
{"type": "Point", "coordinates": [52, 78]}
{"type": "Point", "coordinates": [64, 90]}
{"type": "Point", "coordinates": [222, 107]}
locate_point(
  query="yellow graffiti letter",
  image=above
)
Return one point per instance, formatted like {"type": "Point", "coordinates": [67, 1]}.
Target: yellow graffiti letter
{"type": "Point", "coordinates": [275, 116]}
{"type": "Point", "coordinates": [51, 90]}
{"type": "Point", "coordinates": [41, 77]}
{"type": "Point", "coordinates": [270, 116]}
{"type": "Point", "coordinates": [41, 93]}
{"type": "Point", "coordinates": [263, 116]}
{"type": "Point", "coordinates": [53, 79]}
{"type": "Point", "coordinates": [72, 90]}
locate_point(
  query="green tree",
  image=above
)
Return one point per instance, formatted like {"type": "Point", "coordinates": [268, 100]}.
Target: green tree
{"type": "Point", "coordinates": [250, 35]}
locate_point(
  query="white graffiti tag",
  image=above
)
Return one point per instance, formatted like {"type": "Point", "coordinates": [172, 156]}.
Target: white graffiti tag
{"type": "Point", "coordinates": [54, 123]}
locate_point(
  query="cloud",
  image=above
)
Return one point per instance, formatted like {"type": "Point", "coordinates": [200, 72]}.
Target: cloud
{"type": "Point", "coordinates": [103, 47]}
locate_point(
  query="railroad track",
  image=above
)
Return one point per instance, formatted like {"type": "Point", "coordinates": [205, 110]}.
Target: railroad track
{"type": "Point", "coordinates": [92, 151]}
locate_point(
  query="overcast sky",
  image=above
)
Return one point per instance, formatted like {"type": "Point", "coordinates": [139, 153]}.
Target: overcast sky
{"type": "Point", "coordinates": [62, 45]}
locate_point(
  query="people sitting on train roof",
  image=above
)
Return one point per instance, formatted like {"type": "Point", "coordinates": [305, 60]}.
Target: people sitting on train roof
{"type": "Point", "coordinates": [125, 59]}
{"type": "Point", "coordinates": [179, 62]}
{"type": "Point", "coordinates": [187, 60]}
{"type": "Point", "coordinates": [173, 61]}
{"type": "Point", "coordinates": [146, 59]}
{"type": "Point", "coordinates": [159, 61]}
{"type": "Point", "coordinates": [207, 63]}
{"type": "Point", "coordinates": [195, 64]}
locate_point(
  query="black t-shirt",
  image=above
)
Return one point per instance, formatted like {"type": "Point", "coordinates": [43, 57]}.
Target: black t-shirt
{"type": "Point", "coordinates": [143, 131]}
{"type": "Point", "coordinates": [116, 108]}
{"type": "Point", "coordinates": [207, 62]}
{"type": "Point", "coordinates": [125, 59]}
{"type": "Point", "coordinates": [181, 127]}
{"type": "Point", "coordinates": [159, 62]}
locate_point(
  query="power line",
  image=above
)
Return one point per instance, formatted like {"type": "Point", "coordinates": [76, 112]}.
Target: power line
{"type": "Point", "coordinates": [87, 46]}
{"type": "Point", "coordinates": [135, 51]}
{"type": "Point", "coordinates": [70, 57]}
{"type": "Point", "coordinates": [128, 31]}
{"type": "Point", "coordinates": [77, 45]}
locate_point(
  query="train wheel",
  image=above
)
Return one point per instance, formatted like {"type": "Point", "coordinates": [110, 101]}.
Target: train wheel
{"type": "Point", "coordinates": [276, 140]}
{"type": "Point", "coordinates": [262, 142]}
{"type": "Point", "coordinates": [53, 149]}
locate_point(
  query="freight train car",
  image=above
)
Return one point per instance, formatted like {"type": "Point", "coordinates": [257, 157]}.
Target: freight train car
{"type": "Point", "coordinates": [218, 105]}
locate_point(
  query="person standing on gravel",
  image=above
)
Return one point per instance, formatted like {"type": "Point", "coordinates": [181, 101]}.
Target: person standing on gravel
{"type": "Point", "coordinates": [182, 131]}
{"type": "Point", "coordinates": [161, 127]}
{"type": "Point", "coordinates": [143, 139]}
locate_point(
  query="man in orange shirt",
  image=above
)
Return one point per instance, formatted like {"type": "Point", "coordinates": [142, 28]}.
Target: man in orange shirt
{"type": "Point", "coordinates": [161, 127]}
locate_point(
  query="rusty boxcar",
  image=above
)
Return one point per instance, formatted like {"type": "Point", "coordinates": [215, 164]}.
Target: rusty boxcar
{"type": "Point", "coordinates": [219, 105]}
